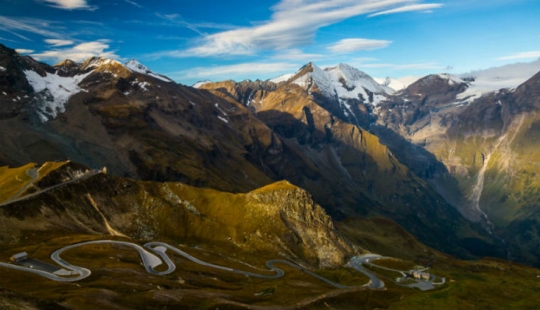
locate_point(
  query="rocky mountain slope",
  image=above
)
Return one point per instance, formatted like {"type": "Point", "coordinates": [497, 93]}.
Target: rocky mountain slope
{"type": "Point", "coordinates": [277, 220]}
{"type": "Point", "coordinates": [460, 135]}
{"type": "Point", "coordinates": [486, 142]}
{"type": "Point", "coordinates": [237, 137]}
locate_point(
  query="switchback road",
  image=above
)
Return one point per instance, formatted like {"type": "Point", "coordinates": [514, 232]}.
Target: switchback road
{"type": "Point", "coordinates": [154, 254]}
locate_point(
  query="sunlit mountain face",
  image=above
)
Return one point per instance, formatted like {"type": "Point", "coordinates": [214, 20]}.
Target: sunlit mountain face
{"type": "Point", "coordinates": [290, 154]}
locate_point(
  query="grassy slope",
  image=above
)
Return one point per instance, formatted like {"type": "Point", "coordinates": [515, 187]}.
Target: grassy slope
{"type": "Point", "coordinates": [12, 180]}
{"type": "Point", "coordinates": [118, 278]}
{"type": "Point", "coordinates": [511, 188]}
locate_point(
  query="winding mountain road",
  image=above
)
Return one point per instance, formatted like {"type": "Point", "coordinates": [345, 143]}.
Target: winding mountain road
{"type": "Point", "coordinates": [356, 263]}
{"type": "Point", "coordinates": [153, 254]}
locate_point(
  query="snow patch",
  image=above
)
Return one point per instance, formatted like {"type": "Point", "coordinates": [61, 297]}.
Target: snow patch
{"type": "Point", "coordinates": [344, 83]}
{"type": "Point", "coordinates": [316, 78]}
{"type": "Point", "coordinates": [97, 62]}
{"type": "Point", "coordinates": [136, 66]}
{"type": "Point", "coordinates": [2, 69]}
{"type": "Point", "coordinates": [452, 79]}
{"type": "Point", "coordinates": [220, 109]}
{"type": "Point", "coordinates": [201, 83]}
{"type": "Point", "coordinates": [59, 88]}
{"type": "Point", "coordinates": [142, 85]}
{"type": "Point", "coordinates": [490, 80]}
{"type": "Point", "coordinates": [282, 78]}
{"type": "Point", "coordinates": [223, 119]}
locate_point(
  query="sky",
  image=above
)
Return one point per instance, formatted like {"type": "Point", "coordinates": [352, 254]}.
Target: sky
{"type": "Point", "coordinates": [197, 40]}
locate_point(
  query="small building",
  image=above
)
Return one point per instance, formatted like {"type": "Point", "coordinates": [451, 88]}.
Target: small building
{"type": "Point", "coordinates": [420, 275]}
{"type": "Point", "coordinates": [19, 257]}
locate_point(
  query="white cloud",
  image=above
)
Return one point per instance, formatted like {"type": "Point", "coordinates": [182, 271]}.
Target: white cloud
{"type": "Point", "coordinates": [424, 65]}
{"type": "Point", "coordinates": [296, 54]}
{"type": "Point", "coordinates": [522, 55]}
{"type": "Point", "coordinates": [36, 26]}
{"type": "Point", "coordinates": [178, 20]}
{"type": "Point", "coordinates": [58, 42]}
{"type": "Point", "coordinates": [294, 23]}
{"type": "Point", "coordinates": [228, 71]}
{"type": "Point", "coordinates": [23, 51]}
{"type": "Point", "coordinates": [71, 4]}
{"type": "Point", "coordinates": [4, 39]}
{"type": "Point", "coordinates": [79, 52]}
{"type": "Point", "coordinates": [352, 45]}
{"type": "Point", "coordinates": [133, 3]}
{"type": "Point", "coordinates": [409, 8]}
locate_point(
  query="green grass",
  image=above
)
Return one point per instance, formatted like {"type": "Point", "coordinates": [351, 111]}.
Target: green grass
{"type": "Point", "coordinates": [12, 180]}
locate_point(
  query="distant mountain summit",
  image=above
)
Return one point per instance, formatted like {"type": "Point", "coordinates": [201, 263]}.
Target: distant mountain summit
{"type": "Point", "coordinates": [136, 66]}
{"type": "Point", "coordinates": [343, 83]}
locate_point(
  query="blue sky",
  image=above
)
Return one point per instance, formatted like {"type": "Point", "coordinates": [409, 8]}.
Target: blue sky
{"type": "Point", "coordinates": [210, 39]}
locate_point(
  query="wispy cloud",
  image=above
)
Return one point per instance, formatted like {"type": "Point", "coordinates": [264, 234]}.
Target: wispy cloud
{"type": "Point", "coordinates": [409, 8]}
{"type": "Point", "coordinates": [352, 45]}
{"type": "Point", "coordinates": [58, 42]}
{"type": "Point", "coordinates": [231, 71]}
{"type": "Point", "coordinates": [293, 24]}
{"type": "Point", "coordinates": [71, 4]}
{"type": "Point", "coordinates": [424, 65]}
{"type": "Point", "coordinates": [8, 40]}
{"type": "Point", "coordinates": [296, 55]}
{"type": "Point", "coordinates": [178, 20]}
{"type": "Point", "coordinates": [36, 26]}
{"type": "Point", "coordinates": [79, 52]}
{"type": "Point", "coordinates": [23, 51]}
{"type": "Point", "coordinates": [522, 55]}
{"type": "Point", "coordinates": [134, 3]}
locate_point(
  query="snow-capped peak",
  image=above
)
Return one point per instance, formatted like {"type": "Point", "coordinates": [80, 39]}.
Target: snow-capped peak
{"type": "Point", "coordinates": [100, 62]}
{"type": "Point", "coordinates": [310, 75]}
{"type": "Point", "coordinates": [352, 78]}
{"type": "Point", "coordinates": [201, 83]}
{"type": "Point", "coordinates": [452, 79]}
{"type": "Point", "coordinates": [136, 66]}
{"type": "Point", "coordinates": [343, 82]}
{"type": "Point", "coordinates": [282, 78]}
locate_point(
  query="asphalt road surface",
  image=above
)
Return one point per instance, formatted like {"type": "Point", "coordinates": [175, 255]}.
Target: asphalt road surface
{"type": "Point", "coordinates": [154, 254]}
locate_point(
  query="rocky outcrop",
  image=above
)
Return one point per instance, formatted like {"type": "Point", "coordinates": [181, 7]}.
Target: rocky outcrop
{"type": "Point", "coordinates": [312, 234]}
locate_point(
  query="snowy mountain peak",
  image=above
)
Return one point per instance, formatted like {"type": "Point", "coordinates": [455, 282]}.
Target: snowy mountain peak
{"type": "Point", "coordinates": [282, 78]}
{"type": "Point", "coordinates": [138, 67]}
{"type": "Point", "coordinates": [100, 62]}
{"type": "Point", "coordinates": [67, 66]}
{"type": "Point", "coordinates": [452, 79]}
{"type": "Point", "coordinates": [201, 83]}
{"type": "Point", "coordinates": [343, 83]}
{"type": "Point", "coordinates": [67, 63]}
{"type": "Point", "coordinates": [351, 78]}
{"type": "Point", "coordinates": [310, 76]}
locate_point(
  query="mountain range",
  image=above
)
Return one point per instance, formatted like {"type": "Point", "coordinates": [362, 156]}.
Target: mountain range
{"type": "Point", "coordinates": [309, 160]}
